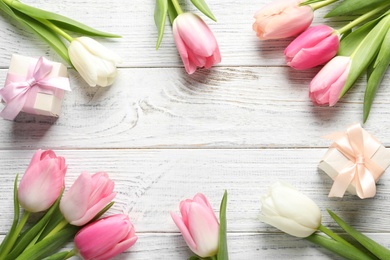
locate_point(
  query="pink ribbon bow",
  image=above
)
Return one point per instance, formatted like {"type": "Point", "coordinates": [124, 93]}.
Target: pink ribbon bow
{"type": "Point", "coordinates": [358, 146]}
{"type": "Point", "coordinates": [15, 92]}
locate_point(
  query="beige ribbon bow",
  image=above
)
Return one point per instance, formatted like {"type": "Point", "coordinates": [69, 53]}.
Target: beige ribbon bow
{"type": "Point", "coordinates": [358, 146]}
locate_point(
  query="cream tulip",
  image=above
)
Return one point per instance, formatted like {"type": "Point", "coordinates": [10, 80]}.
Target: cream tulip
{"type": "Point", "coordinates": [95, 63]}
{"type": "Point", "coordinates": [287, 209]}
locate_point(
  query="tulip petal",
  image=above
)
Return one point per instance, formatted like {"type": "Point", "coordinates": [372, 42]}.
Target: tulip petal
{"type": "Point", "coordinates": [184, 231]}
{"type": "Point", "coordinates": [99, 50]}
{"type": "Point", "coordinates": [119, 248]}
{"type": "Point", "coordinates": [84, 62]}
{"type": "Point", "coordinates": [288, 226]}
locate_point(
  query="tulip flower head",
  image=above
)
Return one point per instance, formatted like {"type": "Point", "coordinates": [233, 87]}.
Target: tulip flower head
{"type": "Point", "coordinates": [42, 182]}
{"type": "Point", "coordinates": [88, 195]}
{"type": "Point", "coordinates": [105, 238]}
{"type": "Point", "coordinates": [95, 63]}
{"type": "Point", "coordinates": [195, 42]}
{"type": "Point", "coordinates": [282, 19]}
{"type": "Point", "coordinates": [326, 86]}
{"type": "Point", "coordinates": [290, 211]}
{"type": "Point", "coordinates": [198, 225]}
{"type": "Point", "coordinates": [315, 46]}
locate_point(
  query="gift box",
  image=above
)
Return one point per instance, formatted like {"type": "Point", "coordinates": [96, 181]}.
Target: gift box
{"type": "Point", "coordinates": [34, 86]}
{"type": "Point", "coordinates": [355, 161]}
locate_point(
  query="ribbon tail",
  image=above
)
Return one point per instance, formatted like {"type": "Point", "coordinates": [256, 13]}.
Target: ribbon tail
{"type": "Point", "coordinates": [341, 183]}
{"type": "Point", "coordinates": [365, 183]}
{"type": "Point", "coordinates": [12, 108]}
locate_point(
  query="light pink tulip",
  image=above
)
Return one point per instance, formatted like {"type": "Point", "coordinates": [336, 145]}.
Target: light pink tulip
{"type": "Point", "coordinates": [198, 225]}
{"type": "Point", "coordinates": [42, 182]}
{"type": "Point", "coordinates": [195, 42]}
{"type": "Point", "coordinates": [313, 47]}
{"type": "Point", "coordinates": [282, 19]}
{"type": "Point", "coordinates": [326, 86]}
{"type": "Point", "coordinates": [105, 238]}
{"type": "Point", "coordinates": [88, 195]}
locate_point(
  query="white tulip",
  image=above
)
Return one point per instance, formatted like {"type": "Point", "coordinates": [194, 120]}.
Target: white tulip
{"type": "Point", "coordinates": [95, 63]}
{"type": "Point", "coordinates": [287, 209]}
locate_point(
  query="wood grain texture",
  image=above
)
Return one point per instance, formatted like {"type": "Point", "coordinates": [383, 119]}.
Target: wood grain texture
{"type": "Point", "coordinates": [163, 135]}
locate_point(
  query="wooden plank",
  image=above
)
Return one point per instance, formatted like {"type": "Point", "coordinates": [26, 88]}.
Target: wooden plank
{"type": "Point", "coordinates": [238, 43]}
{"type": "Point", "coordinates": [243, 107]}
{"type": "Point", "coordinates": [151, 183]}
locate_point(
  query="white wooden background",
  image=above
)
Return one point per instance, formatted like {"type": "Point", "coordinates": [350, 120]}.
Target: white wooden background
{"type": "Point", "coordinates": [163, 135]}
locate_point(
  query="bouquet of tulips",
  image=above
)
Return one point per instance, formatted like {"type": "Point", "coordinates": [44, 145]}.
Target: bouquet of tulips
{"type": "Point", "coordinates": [74, 215]}
{"type": "Point", "coordinates": [95, 63]}
{"type": "Point", "coordinates": [292, 212]}
{"type": "Point", "coordinates": [361, 46]}
{"type": "Point", "coordinates": [194, 40]}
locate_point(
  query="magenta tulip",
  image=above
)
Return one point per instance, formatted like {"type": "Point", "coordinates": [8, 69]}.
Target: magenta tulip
{"type": "Point", "coordinates": [326, 86]}
{"type": "Point", "coordinates": [105, 238]}
{"type": "Point", "coordinates": [42, 182]}
{"type": "Point", "coordinates": [315, 46]}
{"type": "Point", "coordinates": [198, 225]}
{"type": "Point", "coordinates": [282, 19]}
{"type": "Point", "coordinates": [88, 195]}
{"type": "Point", "coordinates": [195, 42]}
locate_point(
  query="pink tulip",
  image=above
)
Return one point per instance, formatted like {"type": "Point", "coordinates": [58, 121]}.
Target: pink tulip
{"type": "Point", "coordinates": [198, 225]}
{"type": "Point", "coordinates": [42, 182]}
{"type": "Point", "coordinates": [282, 19]}
{"type": "Point", "coordinates": [87, 197]}
{"type": "Point", "coordinates": [326, 86]}
{"type": "Point", "coordinates": [195, 42]}
{"type": "Point", "coordinates": [105, 238]}
{"type": "Point", "coordinates": [313, 47]}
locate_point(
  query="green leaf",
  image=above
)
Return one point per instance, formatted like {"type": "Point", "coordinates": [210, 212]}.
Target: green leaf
{"type": "Point", "coordinates": [33, 232]}
{"type": "Point", "coordinates": [59, 20]}
{"type": "Point", "coordinates": [222, 244]}
{"type": "Point", "coordinates": [59, 256]}
{"type": "Point", "coordinates": [160, 16]}
{"type": "Point", "coordinates": [348, 252]}
{"type": "Point", "coordinates": [49, 245]}
{"type": "Point", "coordinates": [380, 251]}
{"type": "Point", "coordinates": [172, 13]}
{"type": "Point", "coordinates": [54, 221]}
{"type": "Point", "coordinates": [46, 34]}
{"type": "Point", "coordinates": [16, 217]}
{"type": "Point", "coordinates": [375, 75]}
{"type": "Point", "coordinates": [350, 42]}
{"type": "Point", "coordinates": [202, 6]}
{"type": "Point", "coordinates": [7, 9]}
{"type": "Point", "coordinates": [366, 52]}
{"type": "Point", "coordinates": [350, 7]}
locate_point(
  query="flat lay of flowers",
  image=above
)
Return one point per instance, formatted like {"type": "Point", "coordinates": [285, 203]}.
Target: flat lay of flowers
{"type": "Point", "coordinates": [157, 148]}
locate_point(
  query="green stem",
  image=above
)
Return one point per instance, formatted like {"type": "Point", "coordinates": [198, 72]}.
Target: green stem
{"type": "Point", "coordinates": [71, 253]}
{"type": "Point", "coordinates": [55, 29]}
{"type": "Point", "coordinates": [177, 7]}
{"type": "Point", "coordinates": [333, 235]}
{"type": "Point", "coordinates": [213, 257]}
{"type": "Point", "coordinates": [15, 235]}
{"type": "Point", "coordinates": [321, 4]}
{"type": "Point", "coordinates": [55, 230]}
{"type": "Point", "coordinates": [362, 18]}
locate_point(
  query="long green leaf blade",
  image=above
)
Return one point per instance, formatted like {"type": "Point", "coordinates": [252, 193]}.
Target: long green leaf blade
{"type": "Point", "coordinates": [376, 75]}
{"type": "Point", "coordinates": [380, 251]}
{"type": "Point", "coordinates": [61, 21]}
{"type": "Point", "coordinates": [160, 16]}
{"type": "Point", "coordinates": [349, 7]}
{"type": "Point", "coordinates": [366, 52]}
{"type": "Point", "coordinates": [222, 244]}
{"type": "Point", "coordinates": [172, 14]}
{"type": "Point", "coordinates": [348, 252]}
{"type": "Point", "coordinates": [16, 216]}
{"type": "Point", "coordinates": [202, 6]}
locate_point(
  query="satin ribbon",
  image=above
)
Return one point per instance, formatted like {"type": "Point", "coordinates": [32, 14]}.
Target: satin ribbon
{"type": "Point", "coordinates": [358, 146]}
{"type": "Point", "coordinates": [15, 92]}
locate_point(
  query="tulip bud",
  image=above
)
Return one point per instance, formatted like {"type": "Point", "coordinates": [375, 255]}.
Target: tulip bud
{"type": "Point", "coordinates": [198, 225]}
{"type": "Point", "coordinates": [195, 42]}
{"type": "Point", "coordinates": [105, 238]}
{"type": "Point", "coordinates": [290, 211]}
{"type": "Point", "coordinates": [315, 46]}
{"type": "Point", "coordinates": [88, 195]}
{"type": "Point", "coordinates": [42, 182]}
{"type": "Point", "coordinates": [326, 86]}
{"type": "Point", "coordinates": [95, 63]}
{"type": "Point", "coordinates": [282, 19]}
